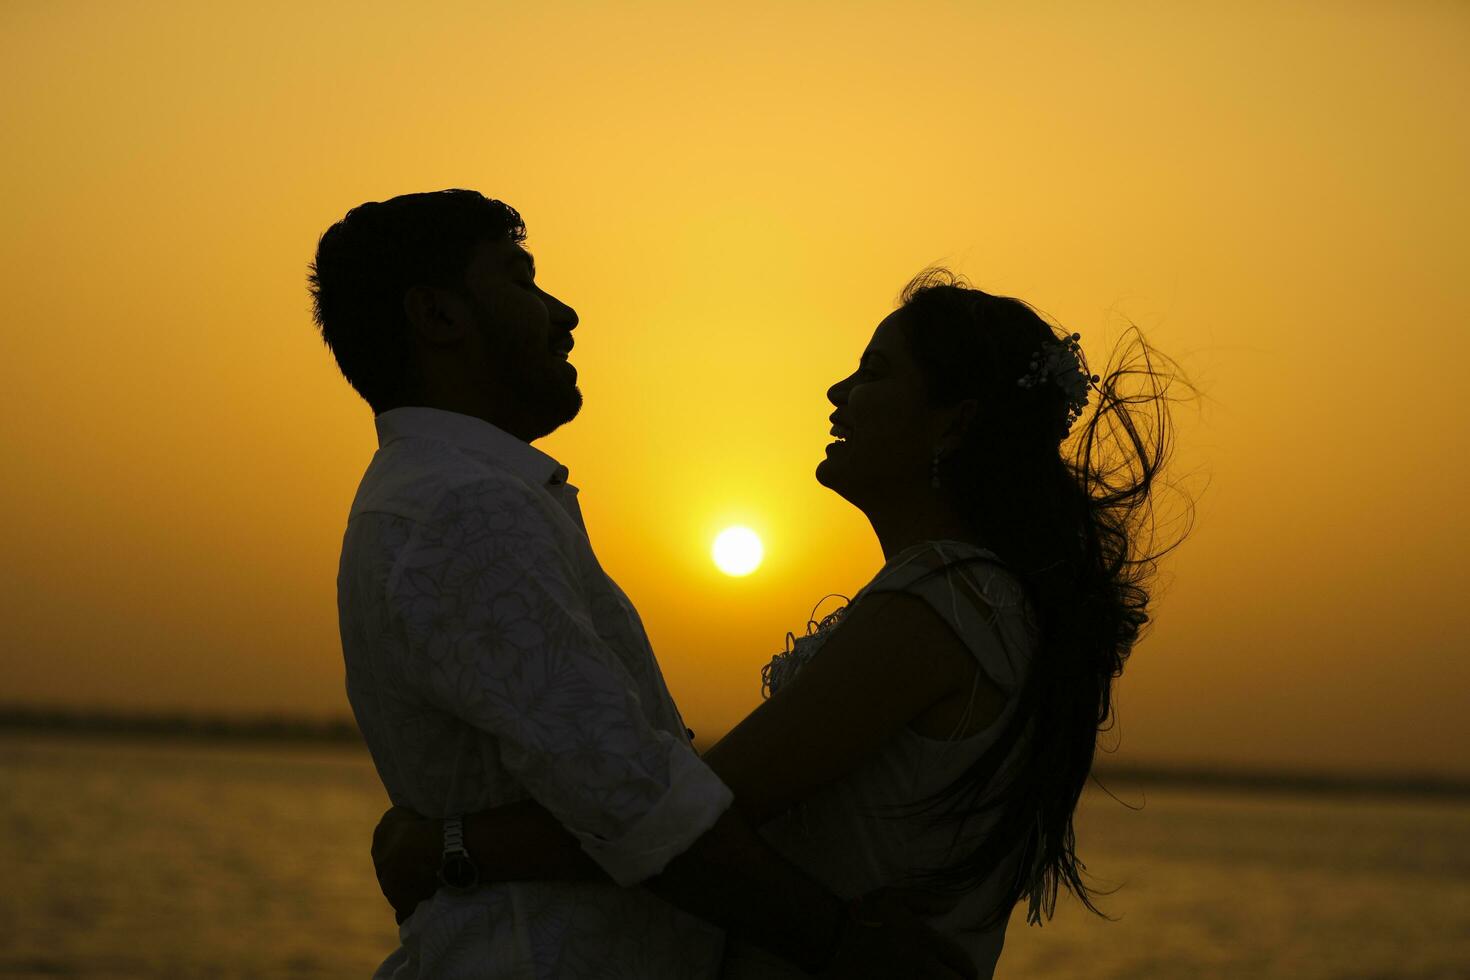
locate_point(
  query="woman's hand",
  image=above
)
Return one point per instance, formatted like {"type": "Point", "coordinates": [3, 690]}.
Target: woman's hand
{"type": "Point", "coordinates": [407, 849]}
{"type": "Point", "coordinates": [885, 936]}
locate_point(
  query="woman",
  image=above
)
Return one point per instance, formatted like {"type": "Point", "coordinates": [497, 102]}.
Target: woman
{"type": "Point", "coordinates": [935, 734]}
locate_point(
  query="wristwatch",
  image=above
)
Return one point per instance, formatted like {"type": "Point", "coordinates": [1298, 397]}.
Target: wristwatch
{"type": "Point", "coordinates": [457, 871]}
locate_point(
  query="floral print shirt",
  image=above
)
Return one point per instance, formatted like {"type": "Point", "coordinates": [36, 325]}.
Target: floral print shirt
{"type": "Point", "coordinates": [489, 659]}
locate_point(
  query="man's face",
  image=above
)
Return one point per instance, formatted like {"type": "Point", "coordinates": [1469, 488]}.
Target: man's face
{"type": "Point", "coordinates": [526, 334]}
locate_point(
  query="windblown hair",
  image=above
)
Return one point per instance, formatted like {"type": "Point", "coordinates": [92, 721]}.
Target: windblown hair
{"type": "Point", "coordinates": [1071, 516]}
{"type": "Point", "coordinates": [368, 260]}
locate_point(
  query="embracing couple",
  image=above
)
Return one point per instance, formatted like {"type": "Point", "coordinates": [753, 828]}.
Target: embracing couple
{"type": "Point", "coordinates": [913, 772]}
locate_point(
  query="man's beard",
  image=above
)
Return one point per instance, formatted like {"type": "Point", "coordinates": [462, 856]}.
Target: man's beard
{"type": "Point", "coordinates": [548, 406]}
{"type": "Point", "coordinates": [545, 399]}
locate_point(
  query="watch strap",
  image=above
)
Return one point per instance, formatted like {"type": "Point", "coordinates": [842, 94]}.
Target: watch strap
{"type": "Point", "coordinates": [457, 869]}
{"type": "Point", "coordinates": [454, 835]}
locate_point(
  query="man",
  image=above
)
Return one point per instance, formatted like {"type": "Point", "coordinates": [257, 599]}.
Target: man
{"type": "Point", "coordinates": [489, 658]}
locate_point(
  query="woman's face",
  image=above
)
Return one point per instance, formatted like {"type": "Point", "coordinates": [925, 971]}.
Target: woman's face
{"type": "Point", "coordinates": [886, 431]}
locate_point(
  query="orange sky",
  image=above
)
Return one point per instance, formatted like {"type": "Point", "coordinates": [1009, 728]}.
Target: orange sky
{"type": "Point", "coordinates": [731, 199]}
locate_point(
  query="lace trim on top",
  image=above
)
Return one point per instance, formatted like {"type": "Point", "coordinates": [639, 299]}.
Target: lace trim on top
{"type": "Point", "coordinates": [800, 649]}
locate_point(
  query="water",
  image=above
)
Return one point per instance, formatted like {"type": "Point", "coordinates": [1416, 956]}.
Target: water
{"type": "Point", "coordinates": [174, 860]}
{"type": "Point", "coordinates": [164, 859]}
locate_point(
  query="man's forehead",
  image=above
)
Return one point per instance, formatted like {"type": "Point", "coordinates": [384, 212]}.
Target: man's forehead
{"type": "Point", "coordinates": [503, 254]}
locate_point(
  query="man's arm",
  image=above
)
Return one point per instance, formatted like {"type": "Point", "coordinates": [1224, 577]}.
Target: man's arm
{"type": "Point", "coordinates": [501, 637]}
{"type": "Point", "coordinates": [721, 878]}
{"type": "Point", "coordinates": [504, 642]}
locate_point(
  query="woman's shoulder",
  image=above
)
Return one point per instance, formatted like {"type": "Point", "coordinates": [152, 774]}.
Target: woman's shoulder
{"type": "Point", "coordinates": [941, 561]}
{"type": "Point", "coordinates": [976, 593]}
{"type": "Point", "coordinates": [938, 551]}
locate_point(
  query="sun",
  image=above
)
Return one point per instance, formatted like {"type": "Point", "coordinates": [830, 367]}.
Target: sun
{"type": "Point", "coordinates": [737, 551]}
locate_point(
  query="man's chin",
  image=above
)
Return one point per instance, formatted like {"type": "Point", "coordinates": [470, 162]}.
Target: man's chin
{"type": "Point", "coordinates": [566, 408]}
{"type": "Point", "coordinates": [572, 405]}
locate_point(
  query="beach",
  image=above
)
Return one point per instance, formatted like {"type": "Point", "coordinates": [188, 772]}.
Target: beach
{"type": "Point", "coordinates": [153, 857]}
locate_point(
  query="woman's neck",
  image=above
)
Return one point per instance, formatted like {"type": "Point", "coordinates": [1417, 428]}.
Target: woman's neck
{"type": "Point", "coordinates": [903, 525]}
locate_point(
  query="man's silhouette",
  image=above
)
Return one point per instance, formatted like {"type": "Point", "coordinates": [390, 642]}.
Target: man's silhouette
{"type": "Point", "coordinates": [490, 659]}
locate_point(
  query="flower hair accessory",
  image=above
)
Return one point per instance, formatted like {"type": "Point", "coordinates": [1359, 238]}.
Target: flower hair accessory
{"type": "Point", "coordinates": [1060, 362]}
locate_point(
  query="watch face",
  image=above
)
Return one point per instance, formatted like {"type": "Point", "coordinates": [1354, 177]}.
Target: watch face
{"type": "Point", "coordinates": [459, 872]}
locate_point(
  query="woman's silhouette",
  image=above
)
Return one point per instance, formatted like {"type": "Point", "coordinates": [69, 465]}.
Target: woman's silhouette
{"type": "Point", "coordinates": [924, 747]}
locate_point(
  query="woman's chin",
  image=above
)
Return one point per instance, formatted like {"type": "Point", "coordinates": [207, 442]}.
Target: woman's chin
{"type": "Point", "coordinates": [825, 475]}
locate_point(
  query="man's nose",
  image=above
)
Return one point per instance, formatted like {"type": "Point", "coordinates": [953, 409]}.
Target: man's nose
{"type": "Point", "coordinates": [562, 314]}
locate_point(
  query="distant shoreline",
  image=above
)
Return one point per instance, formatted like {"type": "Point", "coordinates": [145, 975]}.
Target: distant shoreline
{"type": "Point", "coordinates": [180, 725]}
{"type": "Point", "coordinates": [286, 730]}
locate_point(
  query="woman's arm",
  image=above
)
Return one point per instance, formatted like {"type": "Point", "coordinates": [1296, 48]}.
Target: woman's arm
{"type": "Point", "coordinates": [890, 660]}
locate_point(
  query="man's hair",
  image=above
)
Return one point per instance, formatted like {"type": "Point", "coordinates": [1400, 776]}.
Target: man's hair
{"type": "Point", "coordinates": [368, 260]}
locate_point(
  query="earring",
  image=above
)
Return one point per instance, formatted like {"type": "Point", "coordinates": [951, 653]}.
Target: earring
{"type": "Point", "coordinates": [934, 473]}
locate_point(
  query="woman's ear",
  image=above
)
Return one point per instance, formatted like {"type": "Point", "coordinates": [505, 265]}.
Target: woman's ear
{"type": "Point", "coordinates": [957, 422]}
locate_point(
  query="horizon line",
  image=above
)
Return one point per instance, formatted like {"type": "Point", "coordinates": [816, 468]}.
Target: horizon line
{"type": "Point", "coordinates": [281, 727]}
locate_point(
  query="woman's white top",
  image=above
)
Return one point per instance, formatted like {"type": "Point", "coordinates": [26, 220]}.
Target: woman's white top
{"type": "Point", "coordinates": [846, 834]}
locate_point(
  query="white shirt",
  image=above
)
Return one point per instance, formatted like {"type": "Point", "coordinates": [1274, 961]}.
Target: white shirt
{"type": "Point", "coordinates": [490, 659]}
{"type": "Point", "coordinates": [848, 834]}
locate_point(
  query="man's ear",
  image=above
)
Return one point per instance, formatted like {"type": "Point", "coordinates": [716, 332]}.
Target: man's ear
{"type": "Point", "coordinates": [437, 317]}
{"type": "Point", "coordinates": [961, 417]}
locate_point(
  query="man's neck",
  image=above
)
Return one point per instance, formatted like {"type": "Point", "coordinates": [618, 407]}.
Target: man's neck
{"type": "Point", "coordinates": [476, 405]}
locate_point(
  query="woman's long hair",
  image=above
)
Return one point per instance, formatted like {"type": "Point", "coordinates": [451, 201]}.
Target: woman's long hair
{"type": "Point", "coordinates": [1070, 515]}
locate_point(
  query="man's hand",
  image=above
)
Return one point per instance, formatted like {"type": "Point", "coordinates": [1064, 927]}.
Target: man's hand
{"type": "Point", "coordinates": [406, 853]}
{"type": "Point", "coordinates": [884, 937]}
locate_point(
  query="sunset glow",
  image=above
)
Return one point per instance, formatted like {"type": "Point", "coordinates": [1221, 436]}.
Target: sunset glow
{"type": "Point", "coordinates": [731, 196]}
{"type": "Point", "coordinates": [737, 551]}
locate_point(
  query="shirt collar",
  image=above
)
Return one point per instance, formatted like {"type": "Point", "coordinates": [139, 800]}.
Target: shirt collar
{"type": "Point", "coordinates": [474, 434]}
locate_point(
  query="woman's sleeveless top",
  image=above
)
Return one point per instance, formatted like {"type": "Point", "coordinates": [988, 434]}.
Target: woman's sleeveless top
{"type": "Point", "coordinates": [847, 835]}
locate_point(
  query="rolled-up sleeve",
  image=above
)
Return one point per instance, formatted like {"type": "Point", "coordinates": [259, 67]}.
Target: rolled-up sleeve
{"type": "Point", "coordinates": [503, 638]}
